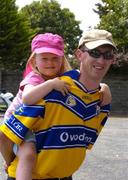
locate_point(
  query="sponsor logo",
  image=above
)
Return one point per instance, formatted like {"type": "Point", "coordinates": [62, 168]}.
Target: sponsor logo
{"type": "Point", "coordinates": [19, 110]}
{"type": "Point", "coordinates": [86, 97]}
{"type": "Point", "coordinates": [15, 124]}
{"type": "Point", "coordinates": [65, 136]}
{"type": "Point", "coordinates": [71, 101]}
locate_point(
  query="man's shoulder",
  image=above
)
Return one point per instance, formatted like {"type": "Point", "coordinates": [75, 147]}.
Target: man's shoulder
{"type": "Point", "coordinates": [73, 74]}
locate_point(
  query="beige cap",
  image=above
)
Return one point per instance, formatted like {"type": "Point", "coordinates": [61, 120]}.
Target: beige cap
{"type": "Point", "coordinates": [95, 38]}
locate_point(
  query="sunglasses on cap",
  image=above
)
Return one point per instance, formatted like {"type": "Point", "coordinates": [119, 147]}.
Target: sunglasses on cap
{"type": "Point", "coordinates": [95, 53]}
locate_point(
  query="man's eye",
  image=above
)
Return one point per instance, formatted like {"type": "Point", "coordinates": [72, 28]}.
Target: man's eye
{"type": "Point", "coordinates": [95, 53]}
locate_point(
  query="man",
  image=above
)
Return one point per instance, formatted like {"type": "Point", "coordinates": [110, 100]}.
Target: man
{"type": "Point", "coordinates": [66, 126]}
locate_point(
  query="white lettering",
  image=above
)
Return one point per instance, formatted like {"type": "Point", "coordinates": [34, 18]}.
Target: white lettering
{"type": "Point", "coordinates": [16, 125]}
{"type": "Point", "coordinates": [65, 136]}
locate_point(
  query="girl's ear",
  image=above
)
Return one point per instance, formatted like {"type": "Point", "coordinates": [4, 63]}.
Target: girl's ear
{"type": "Point", "coordinates": [33, 61]}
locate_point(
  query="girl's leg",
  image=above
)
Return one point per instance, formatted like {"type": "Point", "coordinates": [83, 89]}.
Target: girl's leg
{"type": "Point", "coordinates": [6, 148]}
{"type": "Point", "coordinates": [27, 159]}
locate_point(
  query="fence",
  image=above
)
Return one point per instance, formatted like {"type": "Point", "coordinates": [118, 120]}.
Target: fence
{"type": "Point", "coordinates": [118, 85]}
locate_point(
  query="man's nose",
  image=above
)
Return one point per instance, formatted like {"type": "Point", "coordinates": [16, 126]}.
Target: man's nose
{"type": "Point", "coordinates": [101, 59]}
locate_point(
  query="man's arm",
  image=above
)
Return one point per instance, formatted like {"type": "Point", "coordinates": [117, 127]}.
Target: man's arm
{"type": "Point", "coordinates": [104, 114]}
{"type": "Point", "coordinates": [102, 117]}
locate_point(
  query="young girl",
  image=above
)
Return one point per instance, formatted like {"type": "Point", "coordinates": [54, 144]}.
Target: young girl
{"type": "Point", "coordinates": [46, 63]}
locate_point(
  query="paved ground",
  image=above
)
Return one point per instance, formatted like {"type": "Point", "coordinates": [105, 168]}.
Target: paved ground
{"type": "Point", "coordinates": [108, 160]}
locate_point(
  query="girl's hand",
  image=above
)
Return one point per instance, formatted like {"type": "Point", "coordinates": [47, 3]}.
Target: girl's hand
{"type": "Point", "coordinates": [60, 85]}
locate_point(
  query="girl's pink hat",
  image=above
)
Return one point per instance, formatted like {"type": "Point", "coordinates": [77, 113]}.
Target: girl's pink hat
{"type": "Point", "coordinates": [48, 43]}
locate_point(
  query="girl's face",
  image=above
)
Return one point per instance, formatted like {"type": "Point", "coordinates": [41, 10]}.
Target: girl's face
{"type": "Point", "coordinates": [48, 64]}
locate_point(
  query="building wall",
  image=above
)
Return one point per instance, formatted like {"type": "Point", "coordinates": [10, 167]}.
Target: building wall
{"type": "Point", "coordinates": [10, 80]}
{"type": "Point", "coordinates": [118, 85]}
{"type": "Point", "coordinates": [119, 89]}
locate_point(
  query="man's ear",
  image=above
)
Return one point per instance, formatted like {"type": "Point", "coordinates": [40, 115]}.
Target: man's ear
{"type": "Point", "coordinates": [78, 54]}
{"type": "Point", "coordinates": [114, 59]}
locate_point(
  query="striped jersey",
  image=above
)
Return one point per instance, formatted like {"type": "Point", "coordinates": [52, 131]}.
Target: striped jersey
{"type": "Point", "coordinates": [65, 126]}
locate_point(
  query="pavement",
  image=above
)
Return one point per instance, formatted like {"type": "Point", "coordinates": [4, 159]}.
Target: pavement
{"type": "Point", "coordinates": [108, 159]}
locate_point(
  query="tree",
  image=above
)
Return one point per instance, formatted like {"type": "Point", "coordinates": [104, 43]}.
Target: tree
{"type": "Point", "coordinates": [15, 34]}
{"type": "Point", "coordinates": [114, 18]}
{"type": "Point", "coordinates": [47, 16]}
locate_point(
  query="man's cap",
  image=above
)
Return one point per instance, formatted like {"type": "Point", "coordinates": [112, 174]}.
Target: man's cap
{"type": "Point", "coordinates": [95, 38]}
{"type": "Point", "coordinates": [48, 43]}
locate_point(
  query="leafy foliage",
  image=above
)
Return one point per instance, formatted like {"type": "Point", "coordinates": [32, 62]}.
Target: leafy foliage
{"type": "Point", "coordinates": [47, 16]}
{"type": "Point", "coordinates": [14, 36]}
{"type": "Point", "coordinates": [114, 18]}
{"type": "Point", "coordinates": [17, 28]}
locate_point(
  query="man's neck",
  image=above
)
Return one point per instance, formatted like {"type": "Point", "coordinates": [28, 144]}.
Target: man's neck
{"type": "Point", "coordinates": [89, 83]}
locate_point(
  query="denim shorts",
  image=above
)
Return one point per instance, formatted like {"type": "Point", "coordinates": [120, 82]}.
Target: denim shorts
{"type": "Point", "coordinates": [30, 137]}
{"type": "Point", "coordinates": [10, 178]}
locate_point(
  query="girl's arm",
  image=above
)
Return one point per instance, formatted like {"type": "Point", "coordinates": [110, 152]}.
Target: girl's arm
{"type": "Point", "coordinates": [32, 94]}
{"type": "Point", "coordinates": [106, 94]}
{"type": "Point", "coordinates": [15, 103]}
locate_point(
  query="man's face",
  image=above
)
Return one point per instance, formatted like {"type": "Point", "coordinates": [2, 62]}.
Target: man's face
{"type": "Point", "coordinates": [95, 63]}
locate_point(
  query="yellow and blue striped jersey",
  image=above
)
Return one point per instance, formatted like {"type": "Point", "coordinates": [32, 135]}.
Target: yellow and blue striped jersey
{"type": "Point", "coordinates": [65, 126]}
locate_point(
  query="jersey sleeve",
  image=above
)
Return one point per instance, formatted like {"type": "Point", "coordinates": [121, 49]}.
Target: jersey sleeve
{"type": "Point", "coordinates": [104, 113]}
{"type": "Point", "coordinates": [23, 119]}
